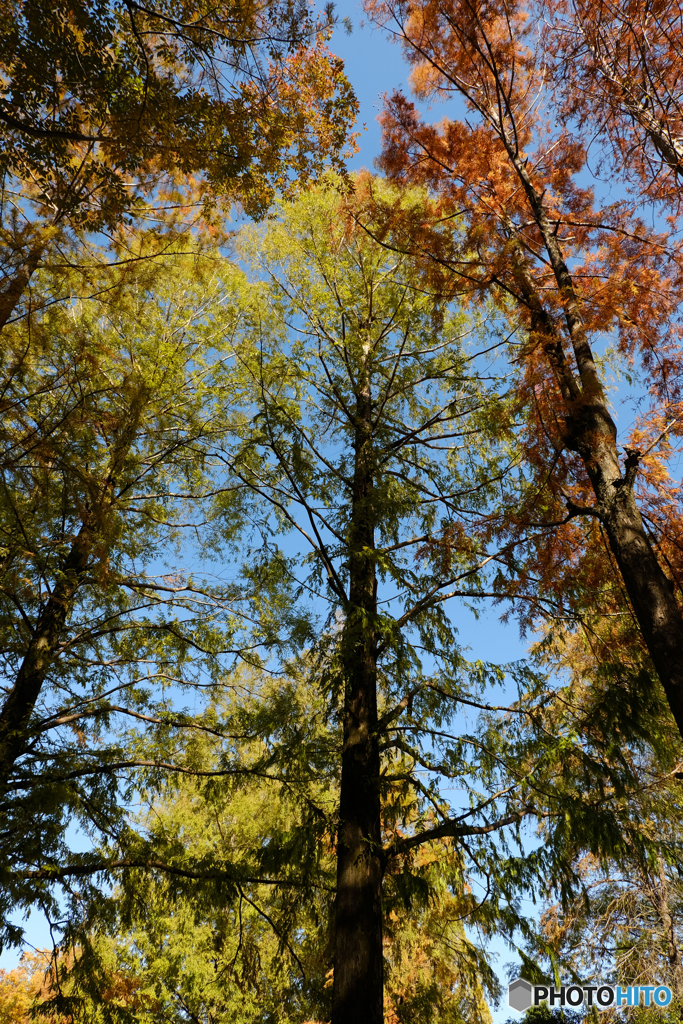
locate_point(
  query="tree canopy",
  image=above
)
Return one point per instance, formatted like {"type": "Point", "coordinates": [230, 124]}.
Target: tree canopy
{"type": "Point", "coordinates": [348, 444]}
{"type": "Point", "coordinates": [250, 482]}
{"type": "Point", "coordinates": [568, 267]}
{"type": "Point", "coordinates": [114, 113]}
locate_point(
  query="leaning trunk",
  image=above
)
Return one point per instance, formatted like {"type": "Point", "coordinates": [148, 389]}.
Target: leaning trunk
{"type": "Point", "coordinates": [11, 295]}
{"type": "Point", "coordinates": [591, 432]}
{"type": "Point", "coordinates": [650, 592]}
{"type": "Point", "coordinates": [358, 975]}
{"type": "Point", "coordinates": [16, 712]}
{"type": "Point", "coordinates": [48, 632]}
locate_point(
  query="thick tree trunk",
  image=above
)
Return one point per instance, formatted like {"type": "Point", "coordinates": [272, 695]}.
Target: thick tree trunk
{"type": "Point", "coordinates": [649, 589]}
{"type": "Point", "coordinates": [650, 592]}
{"type": "Point", "coordinates": [358, 958]}
{"type": "Point", "coordinates": [18, 707]}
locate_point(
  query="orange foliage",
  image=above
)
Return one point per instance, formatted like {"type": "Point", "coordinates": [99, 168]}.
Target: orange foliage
{"type": "Point", "coordinates": [620, 66]}
{"type": "Point", "coordinates": [22, 986]}
{"type": "Point", "coordinates": [32, 982]}
{"type": "Point", "coordinates": [567, 269]}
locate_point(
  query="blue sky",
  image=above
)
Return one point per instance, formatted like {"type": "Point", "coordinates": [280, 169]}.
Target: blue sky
{"type": "Point", "coordinates": [374, 66]}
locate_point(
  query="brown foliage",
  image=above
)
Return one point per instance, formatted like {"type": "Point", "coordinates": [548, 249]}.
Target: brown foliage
{"type": "Point", "coordinates": [514, 217]}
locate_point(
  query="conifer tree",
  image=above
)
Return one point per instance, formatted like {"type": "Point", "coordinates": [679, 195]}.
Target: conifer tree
{"type": "Point", "coordinates": [349, 446]}
{"type": "Point", "coordinates": [363, 434]}
{"type": "Point", "coordinates": [567, 268]}
{"type": "Point", "coordinates": [106, 406]}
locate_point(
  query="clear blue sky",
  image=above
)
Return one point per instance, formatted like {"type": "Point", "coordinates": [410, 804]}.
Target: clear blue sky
{"type": "Point", "coordinates": [374, 66]}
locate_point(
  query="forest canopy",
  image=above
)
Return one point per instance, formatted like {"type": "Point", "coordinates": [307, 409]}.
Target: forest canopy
{"type": "Point", "coordinates": [255, 481]}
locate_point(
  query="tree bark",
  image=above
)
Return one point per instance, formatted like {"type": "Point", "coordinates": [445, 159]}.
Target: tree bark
{"type": "Point", "coordinates": [661, 902]}
{"type": "Point", "coordinates": [358, 991]}
{"type": "Point", "coordinates": [21, 700]}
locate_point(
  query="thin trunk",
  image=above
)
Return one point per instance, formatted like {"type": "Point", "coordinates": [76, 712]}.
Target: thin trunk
{"type": "Point", "coordinates": [592, 433]}
{"type": "Point", "coordinates": [18, 707]}
{"type": "Point", "coordinates": [13, 291]}
{"type": "Point", "coordinates": [358, 958]}
{"type": "Point", "coordinates": [17, 710]}
{"type": "Point", "coordinates": [632, 96]}
{"type": "Point", "coordinates": [660, 899]}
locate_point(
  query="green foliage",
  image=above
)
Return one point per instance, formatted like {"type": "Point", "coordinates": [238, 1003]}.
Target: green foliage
{"type": "Point", "coordinates": [194, 396]}
{"type": "Point", "coordinates": [107, 403]}
{"type": "Point", "coordinates": [255, 944]}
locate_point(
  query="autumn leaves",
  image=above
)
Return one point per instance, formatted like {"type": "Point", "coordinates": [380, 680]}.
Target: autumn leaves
{"type": "Point", "coordinates": [569, 268]}
{"type": "Point", "coordinates": [393, 397]}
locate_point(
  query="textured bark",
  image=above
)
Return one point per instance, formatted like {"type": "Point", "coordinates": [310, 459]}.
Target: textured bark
{"type": "Point", "coordinates": [18, 707]}
{"type": "Point", "coordinates": [358, 960]}
{"type": "Point", "coordinates": [649, 589]}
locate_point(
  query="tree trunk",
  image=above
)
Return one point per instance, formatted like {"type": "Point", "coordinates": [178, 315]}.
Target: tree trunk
{"type": "Point", "coordinates": [662, 905]}
{"type": "Point", "coordinates": [12, 293]}
{"type": "Point", "coordinates": [592, 433]}
{"type": "Point", "coordinates": [16, 712]}
{"type": "Point", "coordinates": [18, 707]}
{"type": "Point", "coordinates": [649, 589]}
{"type": "Point", "coordinates": [591, 429]}
{"type": "Point", "coordinates": [358, 990]}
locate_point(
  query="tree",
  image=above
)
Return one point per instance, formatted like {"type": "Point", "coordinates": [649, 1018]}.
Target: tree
{"type": "Point", "coordinates": [259, 950]}
{"type": "Point", "coordinates": [349, 463]}
{"type": "Point", "coordinates": [565, 270]}
{"type": "Point", "coordinates": [240, 923]}
{"type": "Point", "coordinates": [624, 925]}
{"type": "Point", "coordinates": [115, 112]}
{"type": "Point", "coordinates": [627, 929]}
{"type": "Point", "coordinates": [26, 990]}
{"type": "Point", "coordinates": [358, 412]}
{"type": "Point", "coordinates": [17, 989]}
{"type": "Point", "coordinates": [612, 892]}
{"type": "Point", "coordinates": [106, 406]}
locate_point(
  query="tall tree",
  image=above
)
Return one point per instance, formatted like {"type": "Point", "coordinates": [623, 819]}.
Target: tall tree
{"type": "Point", "coordinates": [368, 437]}
{"type": "Point", "coordinates": [105, 409]}
{"type": "Point", "coordinates": [113, 112]}
{"type": "Point", "coordinates": [263, 952]}
{"type": "Point", "coordinates": [566, 269]}
{"type": "Point", "coordinates": [255, 945]}
{"type": "Point", "coordinates": [359, 468]}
